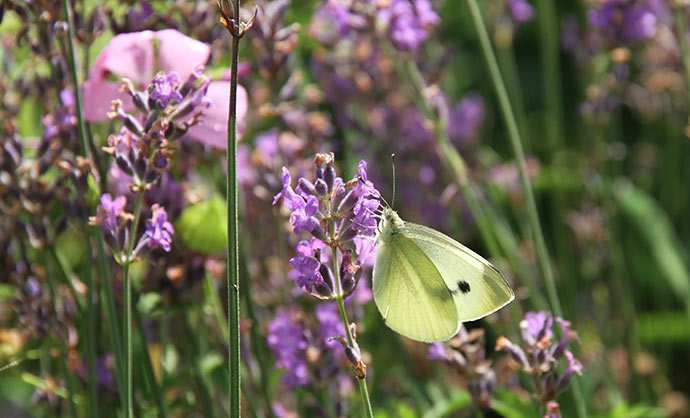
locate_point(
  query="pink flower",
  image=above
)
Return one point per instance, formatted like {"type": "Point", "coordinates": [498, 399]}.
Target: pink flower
{"type": "Point", "coordinates": [132, 55]}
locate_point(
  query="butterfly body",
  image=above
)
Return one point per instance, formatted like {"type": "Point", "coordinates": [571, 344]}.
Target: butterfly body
{"type": "Point", "coordinates": [426, 284]}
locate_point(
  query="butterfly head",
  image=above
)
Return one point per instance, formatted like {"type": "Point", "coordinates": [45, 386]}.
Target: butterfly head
{"type": "Point", "coordinates": [390, 222]}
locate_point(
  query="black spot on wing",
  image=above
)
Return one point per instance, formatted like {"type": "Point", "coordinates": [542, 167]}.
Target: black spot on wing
{"type": "Point", "coordinates": [464, 286]}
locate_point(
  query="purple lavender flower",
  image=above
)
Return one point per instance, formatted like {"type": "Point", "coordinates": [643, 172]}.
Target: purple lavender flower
{"type": "Point", "coordinates": [330, 325]}
{"type": "Point", "coordinates": [287, 340]}
{"type": "Point", "coordinates": [520, 10]}
{"type": "Point", "coordinates": [158, 230]}
{"type": "Point", "coordinates": [409, 22]}
{"type": "Point", "coordinates": [163, 89]}
{"type": "Point", "coordinates": [466, 118]}
{"type": "Point", "coordinates": [346, 211]}
{"type": "Point", "coordinates": [308, 269]}
{"type": "Point", "coordinates": [109, 211]}
{"type": "Point", "coordinates": [539, 355]}
{"type": "Point", "coordinates": [287, 194]}
{"type": "Point", "coordinates": [437, 351]}
{"type": "Point", "coordinates": [622, 21]}
{"type": "Point", "coordinates": [304, 210]}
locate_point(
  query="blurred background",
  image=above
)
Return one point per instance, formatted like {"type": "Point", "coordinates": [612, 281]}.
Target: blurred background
{"type": "Point", "coordinates": [600, 94]}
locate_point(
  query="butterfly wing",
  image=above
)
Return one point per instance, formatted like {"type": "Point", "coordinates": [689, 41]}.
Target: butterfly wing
{"type": "Point", "coordinates": [410, 292]}
{"type": "Point", "coordinates": [478, 289]}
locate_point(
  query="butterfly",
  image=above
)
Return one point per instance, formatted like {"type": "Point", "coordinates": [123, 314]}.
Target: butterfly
{"type": "Point", "coordinates": [426, 284]}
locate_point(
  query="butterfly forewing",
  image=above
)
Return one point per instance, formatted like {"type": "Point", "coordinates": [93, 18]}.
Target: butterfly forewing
{"type": "Point", "coordinates": [411, 294]}
{"type": "Point", "coordinates": [477, 288]}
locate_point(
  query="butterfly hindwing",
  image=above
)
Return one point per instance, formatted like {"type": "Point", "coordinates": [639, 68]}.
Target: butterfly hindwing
{"type": "Point", "coordinates": [410, 292]}
{"type": "Point", "coordinates": [477, 288]}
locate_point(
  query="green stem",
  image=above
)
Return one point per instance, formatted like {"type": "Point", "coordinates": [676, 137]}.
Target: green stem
{"type": "Point", "coordinates": [148, 366]}
{"type": "Point", "coordinates": [112, 313]}
{"type": "Point", "coordinates": [363, 390]}
{"type": "Point", "coordinates": [127, 324]}
{"type": "Point", "coordinates": [681, 21]}
{"type": "Point", "coordinates": [66, 274]}
{"type": "Point", "coordinates": [548, 31]}
{"type": "Point", "coordinates": [516, 144]}
{"type": "Point", "coordinates": [91, 330]}
{"type": "Point", "coordinates": [257, 344]}
{"type": "Point", "coordinates": [233, 239]}
{"type": "Point", "coordinates": [204, 395]}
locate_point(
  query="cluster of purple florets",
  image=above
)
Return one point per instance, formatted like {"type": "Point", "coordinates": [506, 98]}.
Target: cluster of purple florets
{"type": "Point", "coordinates": [540, 354]}
{"type": "Point", "coordinates": [338, 215]}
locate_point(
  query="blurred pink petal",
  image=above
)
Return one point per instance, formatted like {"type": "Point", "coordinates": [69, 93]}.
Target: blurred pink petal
{"type": "Point", "coordinates": [180, 53]}
{"type": "Point", "coordinates": [214, 122]}
{"type": "Point", "coordinates": [132, 55]}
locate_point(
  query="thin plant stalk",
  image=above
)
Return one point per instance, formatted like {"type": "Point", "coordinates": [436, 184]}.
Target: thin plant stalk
{"type": "Point", "coordinates": [127, 320]}
{"type": "Point", "coordinates": [88, 277]}
{"type": "Point", "coordinates": [680, 12]}
{"type": "Point", "coordinates": [233, 272]}
{"type": "Point", "coordinates": [148, 366]}
{"type": "Point", "coordinates": [551, 68]}
{"type": "Point", "coordinates": [363, 390]}
{"type": "Point", "coordinates": [516, 144]}
{"type": "Point", "coordinates": [112, 313]}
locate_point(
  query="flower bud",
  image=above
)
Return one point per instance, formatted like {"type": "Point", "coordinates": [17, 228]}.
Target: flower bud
{"type": "Point", "coordinates": [347, 203]}
{"type": "Point", "coordinates": [347, 234]}
{"type": "Point", "coordinates": [323, 290]}
{"type": "Point", "coordinates": [327, 275]}
{"type": "Point", "coordinates": [348, 284]}
{"type": "Point", "coordinates": [307, 186]}
{"type": "Point", "coordinates": [321, 187]}
{"type": "Point", "coordinates": [318, 232]}
{"type": "Point", "coordinates": [329, 176]}
{"type": "Point", "coordinates": [123, 165]}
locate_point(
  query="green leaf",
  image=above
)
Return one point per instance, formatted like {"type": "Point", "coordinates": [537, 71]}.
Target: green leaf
{"type": "Point", "coordinates": [662, 241]}
{"type": "Point", "coordinates": [210, 362]}
{"type": "Point", "coordinates": [509, 405]}
{"type": "Point", "coordinates": [71, 245]}
{"type": "Point", "coordinates": [148, 302]}
{"type": "Point", "coordinates": [655, 327]}
{"type": "Point", "coordinates": [203, 227]}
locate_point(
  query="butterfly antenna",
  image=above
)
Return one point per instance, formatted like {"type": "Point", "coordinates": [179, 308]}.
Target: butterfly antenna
{"type": "Point", "coordinates": [393, 165]}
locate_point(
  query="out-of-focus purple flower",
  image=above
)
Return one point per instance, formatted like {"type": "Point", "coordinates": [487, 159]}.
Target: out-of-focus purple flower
{"type": "Point", "coordinates": [536, 326]}
{"type": "Point", "coordinates": [539, 355]}
{"type": "Point", "coordinates": [110, 209]}
{"type": "Point", "coordinates": [164, 88]}
{"type": "Point", "coordinates": [330, 325]}
{"type": "Point", "coordinates": [287, 340]}
{"type": "Point", "coordinates": [520, 10]}
{"type": "Point", "coordinates": [625, 21]}
{"type": "Point", "coordinates": [267, 146]}
{"type": "Point", "coordinates": [437, 351]}
{"type": "Point", "coordinates": [574, 367]}
{"type": "Point", "coordinates": [409, 22]}
{"type": "Point", "coordinates": [465, 119]}
{"type": "Point", "coordinates": [247, 174]}
{"type": "Point", "coordinates": [158, 230]}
